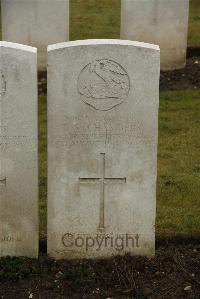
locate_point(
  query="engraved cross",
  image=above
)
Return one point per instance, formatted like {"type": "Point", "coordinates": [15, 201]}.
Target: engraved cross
{"type": "Point", "coordinates": [102, 181]}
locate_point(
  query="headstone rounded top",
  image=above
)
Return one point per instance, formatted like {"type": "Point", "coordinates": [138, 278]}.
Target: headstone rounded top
{"type": "Point", "coordinates": [90, 42]}
{"type": "Point", "coordinates": [16, 46]}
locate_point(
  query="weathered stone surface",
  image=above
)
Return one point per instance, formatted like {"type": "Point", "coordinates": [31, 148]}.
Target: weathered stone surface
{"type": "Point", "coordinates": [37, 23]}
{"type": "Point", "coordinates": [161, 22]}
{"type": "Point", "coordinates": [102, 148]}
{"type": "Point", "coordinates": [18, 151]}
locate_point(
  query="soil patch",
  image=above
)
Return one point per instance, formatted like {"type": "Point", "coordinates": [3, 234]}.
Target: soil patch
{"type": "Point", "coordinates": [186, 78]}
{"type": "Point", "coordinates": [191, 51]}
{"type": "Point", "coordinates": [173, 273]}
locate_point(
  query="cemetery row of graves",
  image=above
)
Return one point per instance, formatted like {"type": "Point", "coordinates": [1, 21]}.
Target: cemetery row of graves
{"type": "Point", "coordinates": [121, 160]}
{"type": "Point", "coordinates": [79, 129]}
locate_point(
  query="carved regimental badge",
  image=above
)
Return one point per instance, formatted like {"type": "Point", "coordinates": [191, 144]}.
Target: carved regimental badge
{"type": "Point", "coordinates": [2, 85]}
{"type": "Point", "coordinates": [103, 84]}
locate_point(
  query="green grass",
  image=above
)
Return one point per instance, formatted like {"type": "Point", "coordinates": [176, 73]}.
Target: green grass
{"type": "Point", "coordinates": [194, 24]}
{"type": "Point", "coordinates": [94, 19]}
{"type": "Point", "coordinates": [0, 21]}
{"type": "Point", "coordinates": [101, 19]}
{"type": "Point", "coordinates": [178, 192]}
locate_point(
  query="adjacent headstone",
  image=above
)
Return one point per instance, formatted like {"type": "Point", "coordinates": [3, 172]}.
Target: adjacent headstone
{"type": "Point", "coordinates": [161, 22]}
{"type": "Point", "coordinates": [102, 148]}
{"type": "Point", "coordinates": [18, 151]}
{"type": "Point", "coordinates": [37, 23]}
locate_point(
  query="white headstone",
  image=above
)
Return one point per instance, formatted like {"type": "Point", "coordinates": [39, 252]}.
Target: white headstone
{"type": "Point", "coordinates": [102, 148]}
{"type": "Point", "coordinates": [37, 23]}
{"type": "Point", "coordinates": [18, 151]}
{"type": "Point", "coordinates": [161, 22]}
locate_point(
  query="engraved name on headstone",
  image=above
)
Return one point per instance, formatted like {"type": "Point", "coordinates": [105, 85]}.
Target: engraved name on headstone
{"type": "Point", "coordinates": [102, 148]}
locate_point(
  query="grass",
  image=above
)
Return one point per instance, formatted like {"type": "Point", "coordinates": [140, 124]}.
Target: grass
{"type": "Point", "coordinates": [94, 19]}
{"type": "Point", "coordinates": [101, 19]}
{"type": "Point", "coordinates": [178, 192]}
{"type": "Point", "coordinates": [194, 24]}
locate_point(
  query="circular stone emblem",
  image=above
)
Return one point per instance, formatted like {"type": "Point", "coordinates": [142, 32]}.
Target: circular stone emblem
{"type": "Point", "coordinates": [103, 84]}
{"type": "Point", "coordinates": [2, 84]}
